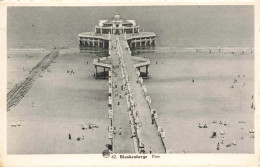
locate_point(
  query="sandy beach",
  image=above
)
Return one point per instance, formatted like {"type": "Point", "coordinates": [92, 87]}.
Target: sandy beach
{"type": "Point", "coordinates": [57, 105]}
{"type": "Point", "coordinates": [182, 105]}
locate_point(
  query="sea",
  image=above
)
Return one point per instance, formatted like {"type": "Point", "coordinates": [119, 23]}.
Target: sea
{"type": "Point", "coordinates": [174, 26]}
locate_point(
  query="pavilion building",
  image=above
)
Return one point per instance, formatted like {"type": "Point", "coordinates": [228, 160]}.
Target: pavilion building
{"type": "Point", "coordinates": [116, 26]}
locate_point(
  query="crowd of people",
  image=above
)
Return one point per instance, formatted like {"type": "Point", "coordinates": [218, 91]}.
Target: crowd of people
{"type": "Point", "coordinates": [130, 98]}
{"type": "Point", "coordinates": [70, 71]}
{"type": "Point", "coordinates": [90, 126]}
{"type": "Point", "coordinates": [14, 124]}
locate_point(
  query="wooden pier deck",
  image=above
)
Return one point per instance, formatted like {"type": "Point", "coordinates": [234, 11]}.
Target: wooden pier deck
{"type": "Point", "coordinates": [149, 136]}
{"type": "Point", "coordinates": [121, 143]}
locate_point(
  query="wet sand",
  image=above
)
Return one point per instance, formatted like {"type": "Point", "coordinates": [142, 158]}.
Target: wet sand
{"type": "Point", "coordinates": [20, 62]}
{"type": "Point", "coordinates": [58, 104]}
{"type": "Point", "coordinates": [182, 105]}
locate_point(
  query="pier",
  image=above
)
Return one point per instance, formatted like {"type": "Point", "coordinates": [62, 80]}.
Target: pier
{"type": "Point", "coordinates": [129, 105]}
{"type": "Point", "coordinates": [133, 127]}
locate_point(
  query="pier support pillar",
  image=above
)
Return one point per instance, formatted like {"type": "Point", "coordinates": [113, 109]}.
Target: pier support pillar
{"type": "Point", "coordinates": [93, 42]}
{"type": "Point", "coordinates": [103, 44]}
{"type": "Point", "coordinates": [104, 74]}
{"type": "Point", "coordinates": [146, 73]}
{"type": "Point", "coordinates": [98, 42]}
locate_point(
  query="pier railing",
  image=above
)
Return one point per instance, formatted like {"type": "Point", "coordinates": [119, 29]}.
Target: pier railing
{"type": "Point", "coordinates": [153, 111]}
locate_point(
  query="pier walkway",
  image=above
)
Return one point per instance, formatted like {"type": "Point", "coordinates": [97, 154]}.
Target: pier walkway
{"type": "Point", "coordinates": [121, 143]}
{"type": "Point", "coordinates": [146, 132]}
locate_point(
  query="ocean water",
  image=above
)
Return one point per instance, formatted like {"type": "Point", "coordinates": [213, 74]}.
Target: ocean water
{"type": "Point", "coordinates": [175, 26]}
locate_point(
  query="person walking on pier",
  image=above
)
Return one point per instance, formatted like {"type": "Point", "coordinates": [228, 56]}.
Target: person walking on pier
{"type": "Point", "coordinates": [153, 118]}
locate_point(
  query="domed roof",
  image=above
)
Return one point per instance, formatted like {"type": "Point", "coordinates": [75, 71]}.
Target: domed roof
{"type": "Point", "coordinates": [117, 18]}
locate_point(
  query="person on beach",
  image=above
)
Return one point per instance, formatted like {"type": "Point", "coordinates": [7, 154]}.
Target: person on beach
{"type": "Point", "coordinates": [222, 140]}
{"type": "Point", "coordinates": [214, 134]}
{"type": "Point", "coordinates": [82, 137]}
{"type": "Point", "coordinates": [232, 86]}
{"type": "Point", "coordinates": [228, 145]}
{"type": "Point", "coordinates": [225, 124]}
{"type": "Point", "coordinates": [234, 143]}
{"type": "Point", "coordinates": [83, 127]}
{"type": "Point", "coordinates": [156, 63]}
{"type": "Point", "coordinates": [200, 126]}
{"type": "Point", "coordinates": [19, 123]}
{"type": "Point", "coordinates": [222, 132]}
{"type": "Point", "coordinates": [69, 136]}
{"type": "Point", "coordinates": [252, 96]}
{"type": "Point", "coordinates": [120, 131]}
{"type": "Point", "coordinates": [252, 105]}
{"type": "Point", "coordinates": [218, 146]}
{"type": "Point", "coordinates": [205, 126]}
{"type": "Point", "coordinates": [193, 80]}
{"type": "Point", "coordinates": [220, 122]}
{"type": "Point", "coordinates": [151, 150]}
